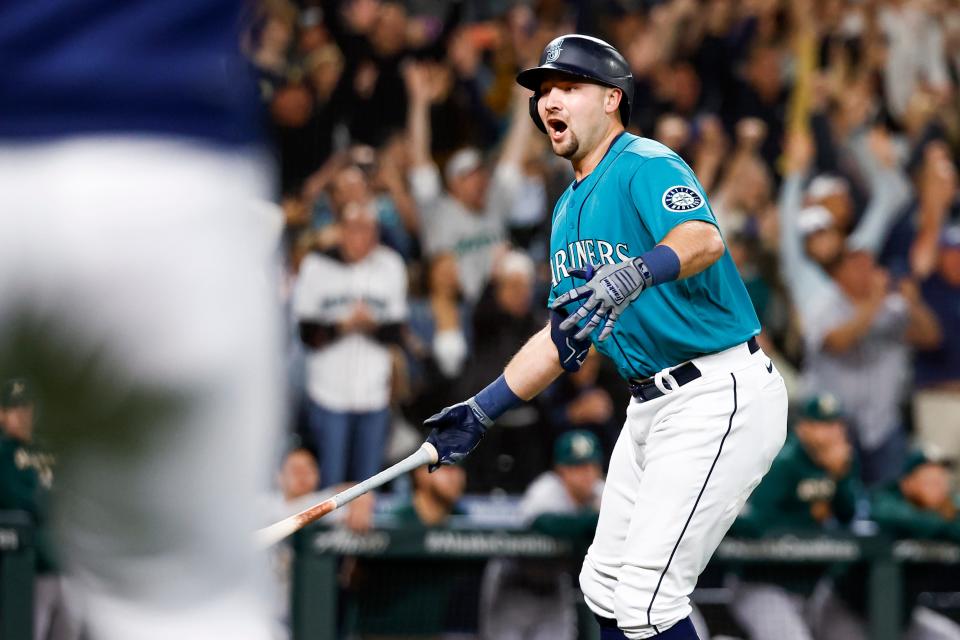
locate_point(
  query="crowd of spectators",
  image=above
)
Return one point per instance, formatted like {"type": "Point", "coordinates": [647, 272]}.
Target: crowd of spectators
{"type": "Point", "coordinates": [412, 179]}
{"type": "Point", "coordinates": [417, 201]}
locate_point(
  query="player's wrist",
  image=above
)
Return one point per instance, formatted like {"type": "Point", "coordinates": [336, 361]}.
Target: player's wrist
{"type": "Point", "coordinates": [659, 265]}
{"type": "Point", "coordinates": [494, 400]}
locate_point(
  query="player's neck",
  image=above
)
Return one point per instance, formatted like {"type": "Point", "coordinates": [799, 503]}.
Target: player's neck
{"type": "Point", "coordinates": [585, 165]}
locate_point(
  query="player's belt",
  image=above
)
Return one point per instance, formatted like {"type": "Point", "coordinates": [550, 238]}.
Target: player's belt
{"type": "Point", "coordinates": [647, 388]}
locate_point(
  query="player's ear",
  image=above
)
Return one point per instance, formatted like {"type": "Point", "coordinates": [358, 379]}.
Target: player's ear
{"type": "Point", "coordinates": [612, 102]}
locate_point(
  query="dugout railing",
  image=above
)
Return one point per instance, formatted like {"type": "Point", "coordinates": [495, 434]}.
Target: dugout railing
{"type": "Point", "coordinates": [318, 552]}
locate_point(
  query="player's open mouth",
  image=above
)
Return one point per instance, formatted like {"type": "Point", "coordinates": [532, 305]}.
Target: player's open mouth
{"type": "Point", "coordinates": [557, 128]}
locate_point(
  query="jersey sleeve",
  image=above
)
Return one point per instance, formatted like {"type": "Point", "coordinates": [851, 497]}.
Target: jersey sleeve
{"type": "Point", "coordinates": [397, 310]}
{"type": "Point", "coordinates": [667, 193]}
{"type": "Point", "coordinates": [306, 292]}
{"type": "Point", "coordinates": [425, 185]}
{"type": "Point", "coordinates": [504, 187]}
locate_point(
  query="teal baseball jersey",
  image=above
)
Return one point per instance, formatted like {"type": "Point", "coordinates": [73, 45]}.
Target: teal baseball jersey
{"type": "Point", "coordinates": [629, 202]}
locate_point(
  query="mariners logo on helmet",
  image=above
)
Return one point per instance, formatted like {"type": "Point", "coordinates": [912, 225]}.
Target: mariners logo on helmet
{"type": "Point", "coordinates": [552, 52]}
{"type": "Point", "coordinates": [681, 199]}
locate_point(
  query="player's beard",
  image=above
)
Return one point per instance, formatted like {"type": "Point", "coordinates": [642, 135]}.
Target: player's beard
{"type": "Point", "coordinates": [568, 147]}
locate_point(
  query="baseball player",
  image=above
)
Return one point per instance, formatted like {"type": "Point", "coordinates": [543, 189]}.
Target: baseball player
{"type": "Point", "coordinates": [138, 295]}
{"type": "Point", "coordinates": [641, 271]}
{"type": "Point", "coordinates": [26, 477]}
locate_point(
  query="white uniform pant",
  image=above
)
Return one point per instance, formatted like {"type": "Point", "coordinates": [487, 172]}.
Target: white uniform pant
{"type": "Point", "coordinates": [136, 270]}
{"type": "Point", "coordinates": [683, 467]}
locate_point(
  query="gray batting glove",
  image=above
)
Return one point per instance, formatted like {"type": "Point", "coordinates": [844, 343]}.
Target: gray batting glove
{"type": "Point", "coordinates": [608, 291]}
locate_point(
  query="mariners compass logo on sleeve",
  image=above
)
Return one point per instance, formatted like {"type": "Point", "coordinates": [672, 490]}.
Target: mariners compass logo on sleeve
{"type": "Point", "coordinates": [552, 52]}
{"type": "Point", "coordinates": [681, 199]}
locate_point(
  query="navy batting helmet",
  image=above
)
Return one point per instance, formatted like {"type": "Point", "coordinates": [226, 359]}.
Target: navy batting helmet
{"type": "Point", "coordinates": [585, 58]}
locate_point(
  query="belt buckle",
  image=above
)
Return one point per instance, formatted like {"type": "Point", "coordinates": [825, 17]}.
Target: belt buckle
{"type": "Point", "coordinates": [638, 388]}
{"type": "Point", "coordinates": [645, 390]}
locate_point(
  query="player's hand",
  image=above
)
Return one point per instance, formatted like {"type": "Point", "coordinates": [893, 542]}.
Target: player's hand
{"type": "Point", "coordinates": [571, 351]}
{"type": "Point", "coordinates": [457, 430]}
{"type": "Point", "coordinates": [607, 293]}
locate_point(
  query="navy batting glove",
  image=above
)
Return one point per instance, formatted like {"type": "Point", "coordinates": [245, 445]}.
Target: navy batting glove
{"type": "Point", "coordinates": [457, 431]}
{"type": "Point", "coordinates": [572, 352]}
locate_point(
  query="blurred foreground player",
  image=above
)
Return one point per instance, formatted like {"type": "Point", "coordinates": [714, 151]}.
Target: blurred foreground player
{"type": "Point", "coordinates": [641, 272]}
{"type": "Point", "coordinates": [136, 294]}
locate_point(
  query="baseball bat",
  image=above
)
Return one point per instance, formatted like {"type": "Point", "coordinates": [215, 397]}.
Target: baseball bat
{"type": "Point", "coordinates": [276, 532]}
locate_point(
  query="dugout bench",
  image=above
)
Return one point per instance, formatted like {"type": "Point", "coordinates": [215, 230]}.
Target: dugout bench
{"type": "Point", "coordinates": [317, 549]}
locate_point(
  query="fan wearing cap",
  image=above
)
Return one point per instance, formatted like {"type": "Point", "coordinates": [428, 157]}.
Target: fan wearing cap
{"type": "Point", "coordinates": [812, 485]}
{"type": "Point", "coordinates": [823, 241]}
{"type": "Point", "coordinates": [468, 219]}
{"type": "Point", "coordinates": [535, 600]}
{"type": "Point", "coordinates": [641, 273]}
{"type": "Point", "coordinates": [858, 326]}
{"type": "Point", "coordinates": [26, 478]}
{"type": "Point", "coordinates": [858, 348]}
{"type": "Point", "coordinates": [833, 194]}
{"type": "Point", "coordinates": [815, 219]}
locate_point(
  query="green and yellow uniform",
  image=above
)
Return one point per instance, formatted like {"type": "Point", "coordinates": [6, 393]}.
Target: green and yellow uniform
{"type": "Point", "coordinates": [900, 518]}
{"type": "Point", "coordinates": [26, 477]}
{"type": "Point", "coordinates": [796, 496]}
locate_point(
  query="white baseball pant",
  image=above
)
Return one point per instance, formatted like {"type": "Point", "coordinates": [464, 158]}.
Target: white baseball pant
{"type": "Point", "coordinates": [681, 470]}
{"type": "Point", "coordinates": [146, 262]}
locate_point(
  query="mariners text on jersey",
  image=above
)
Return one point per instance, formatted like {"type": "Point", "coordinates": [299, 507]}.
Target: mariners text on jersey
{"type": "Point", "coordinates": [580, 253]}
{"type": "Point", "coordinates": [638, 192]}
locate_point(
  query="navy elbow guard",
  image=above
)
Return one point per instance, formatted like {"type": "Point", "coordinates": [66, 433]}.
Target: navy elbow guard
{"type": "Point", "coordinates": [571, 350]}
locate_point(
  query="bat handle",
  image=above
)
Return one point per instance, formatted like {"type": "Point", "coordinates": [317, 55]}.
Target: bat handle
{"type": "Point", "coordinates": [426, 454]}
{"type": "Point", "coordinates": [265, 537]}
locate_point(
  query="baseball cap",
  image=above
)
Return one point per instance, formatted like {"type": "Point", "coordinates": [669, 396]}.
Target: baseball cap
{"type": "Point", "coordinates": [517, 262]}
{"type": "Point", "coordinates": [927, 454]}
{"type": "Point", "coordinates": [577, 447]}
{"type": "Point", "coordinates": [950, 237]}
{"type": "Point", "coordinates": [826, 185]}
{"type": "Point", "coordinates": [463, 162]}
{"type": "Point", "coordinates": [822, 407]}
{"type": "Point", "coordinates": [15, 393]}
{"type": "Point", "coordinates": [813, 219]}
